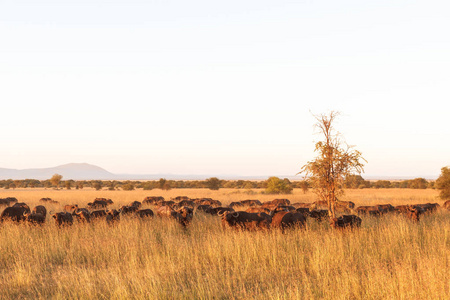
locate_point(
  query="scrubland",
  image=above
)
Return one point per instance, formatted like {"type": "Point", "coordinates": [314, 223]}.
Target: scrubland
{"type": "Point", "coordinates": [389, 257]}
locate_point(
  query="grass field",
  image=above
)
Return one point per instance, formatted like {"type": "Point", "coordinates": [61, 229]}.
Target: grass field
{"type": "Point", "coordinates": [389, 257]}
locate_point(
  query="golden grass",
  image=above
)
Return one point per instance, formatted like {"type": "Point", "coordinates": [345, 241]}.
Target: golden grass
{"type": "Point", "coordinates": [388, 257]}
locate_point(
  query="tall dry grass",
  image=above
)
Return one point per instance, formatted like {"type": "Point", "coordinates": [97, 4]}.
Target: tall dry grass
{"type": "Point", "coordinates": [389, 257]}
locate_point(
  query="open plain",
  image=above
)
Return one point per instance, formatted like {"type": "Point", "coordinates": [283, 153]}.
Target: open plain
{"type": "Point", "coordinates": [388, 257]}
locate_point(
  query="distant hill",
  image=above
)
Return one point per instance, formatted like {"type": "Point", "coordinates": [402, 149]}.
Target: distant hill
{"type": "Point", "coordinates": [84, 171]}
{"type": "Point", "coordinates": [75, 171]}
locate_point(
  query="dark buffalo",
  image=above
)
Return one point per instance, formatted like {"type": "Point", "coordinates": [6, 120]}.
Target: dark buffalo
{"type": "Point", "coordinates": [281, 201]}
{"type": "Point", "coordinates": [286, 219]}
{"type": "Point", "coordinates": [236, 204]}
{"type": "Point", "coordinates": [211, 202]}
{"type": "Point", "coordinates": [251, 202]}
{"type": "Point", "coordinates": [166, 203]}
{"type": "Point", "coordinates": [204, 208]}
{"type": "Point", "coordinates": [345, 221]}
{"type": "Point", "coordinates": [428, 207]}
{"type": "Point", "coordinates": [135, 204]}
{"type": "Point", "coordinates": [183, 215]}
{"type": "Point", "coordinates": [145, 213]}
{"type": "Point", "coordinates": [40, 209]}
{"type": "Point", "coordinates": [318, 214]}
{"type": "Point", "coordinates": [82, 214]}
{"type": "Point", "coordinates": [368, 210]}
{"type": "Point", "coordinates": [385, 208]}
{"type": "Point", "coordinates": [152, 200]}
{"type": "Point", "coordinates": [180, 198]}
{"type": "Point", "coordinates": [8, 201]}
{"type": "Point", "coordinates": [257, 210]}
{"type": "Point", "coordinates": [245, 220]}
{"type": "Point", "coordinates": [410, 211]}
{"type": "Point", "coordinates": [189, 203]}
{"type": "Point", "coordinates": [112, 216]}
{"type": "Point", "coordinates": [218, 211]}
{"type": "Point", "coordinates": [127, 210]}
{"type": "Point", "coordinates": [15, 214]}
{"type": "Point", "coordinates": [301, 205]}
{"type": "Point", "coordinates": [446, 204]}
{"type": "Point", "coordinates": [63, 218]}
{"type": "Point", "coordinates": [303, 210]}
{"type": "Point", "coordinates": [98, 214]}
{"type": "Point", "coordinates": [34, 218]}
{"type": "Point", "coordinates": [97, 204]}
{"type": "Point", "coordinates": [22, 204]}
{"type": "Point", "coordinates": [108, 201]}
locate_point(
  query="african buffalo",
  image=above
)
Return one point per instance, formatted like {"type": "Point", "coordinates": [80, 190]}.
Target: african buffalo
{"type": "Point", "coordinates": [63, 218]}
{"type": "Point", "coordinates": [428, 207]}
{"type": "Point", "coordinates": [22, 204]}
{"type": "Point", "coordinates": [144, 213]}
{"type": "Point", "coordinates": [82, 214]}
{"type": "Point", "coordinates": [112, 216]}
{"type": "Point", "coordinates": [34, 218]}
{"type": "Point", "coordinates": [281, 201]}
{"type": "Point", "coordinates": [97, 204]}
{"type": "Point", "coordinates": [245, 220]}
{"type": "Point", "coordinates": [286, 219]}
{"type": "Point", "coordinates": [368, 210]}
{"type": "Point", "coordinates": [152, 200]}
{"type": "Point", "coordinates": [345, 221]}
{"type": "Point", "coordinates": [183, 215]}
{"type": "Point", "coordinates": [318, 214]}
{"type": "Point", "coordinates": [303, 210]}
{"type": "Point", "coordinates": [410, 211]}
{"type": "Point", "coordinates": [127, 209]}
{"type": "Point", "coordinates": [235, 204]}
{"type": "Point", "coordinates": [251, 202]}
{"type": "Point", "coordinates": [15, 214]}
{"type": "Point", "coordinates": [98, 214]}
{"type": "Point", "coordinates": [257, 210]}
{"type": "Point", "coordinates": [447, 204]}
{"type": "Point", "coordinates": [204, 208]}
{"type": "Point", "coordinates": [40, 209]}
{"type": "Point", "coordinates": [7, 201]}
{"type": "Point", "coordinates": [135, 204]}
{"type": "Point", "coordinates": [218, 211]}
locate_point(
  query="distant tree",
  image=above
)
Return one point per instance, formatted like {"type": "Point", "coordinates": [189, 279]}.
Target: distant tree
{"type": "Point", "coordinates": [354, 182]}
{"type": "Point", "coordinates": [80, 185]}
{"type": "Point", "coordinates": [304, 186]}
{"type": "Point", "coordinates": [128, 186]}
{"type": "Point", "coordinates": [12, 186]}
{"type": "Point", "coordinates": [97, 185]}
{"type": "Point", "coordinates": [418, 183]}
{"type": "Point", "coordinates": [327, 172]}
{"type": "Point", "coordinates": [213, 183]}
{"type": "Point", "coordinates": [443, 183]}
{"type": "Point", "coordinates": [147, 186]}
{"type": "Point", "coordinates": [275, 185]}
{"type": "Point", "coordinates": [68, 184]}
{"type": "Point", "coordinates": [55, 180]}
{"type": "Point", "coordinates": [162, 182]}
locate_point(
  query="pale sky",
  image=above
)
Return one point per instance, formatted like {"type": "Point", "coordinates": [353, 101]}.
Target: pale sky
{"type": "Point", "coordinates": [223, 87]}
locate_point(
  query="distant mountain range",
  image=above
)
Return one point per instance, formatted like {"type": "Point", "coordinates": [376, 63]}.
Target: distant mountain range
{"type": "Point", "coordinates": [84, 171]}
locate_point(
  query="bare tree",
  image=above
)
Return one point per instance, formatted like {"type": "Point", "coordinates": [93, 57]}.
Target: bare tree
{"type": "Point", "coordinates": [328, 170]}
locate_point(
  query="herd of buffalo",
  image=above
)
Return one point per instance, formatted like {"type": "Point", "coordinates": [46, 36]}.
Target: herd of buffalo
{"type": "Point", "coordinates": [245, 214]}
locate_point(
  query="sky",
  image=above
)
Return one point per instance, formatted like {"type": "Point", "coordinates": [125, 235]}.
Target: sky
{"type": "Point", "coordinates": [223, 87]}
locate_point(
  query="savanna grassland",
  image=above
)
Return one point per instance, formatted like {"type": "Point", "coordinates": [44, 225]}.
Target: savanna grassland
{"type": "Point", "coordinates": [389, 257]}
